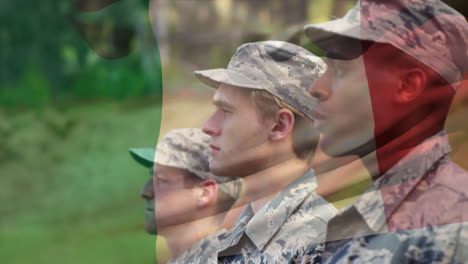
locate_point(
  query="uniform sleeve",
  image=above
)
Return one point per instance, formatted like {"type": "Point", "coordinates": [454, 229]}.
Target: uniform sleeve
{"type": "Point", "coordinates": [461, 252]}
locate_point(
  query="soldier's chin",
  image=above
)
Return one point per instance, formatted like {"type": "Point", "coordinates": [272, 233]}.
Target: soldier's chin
{"type": "Point", "coordinates": [340, 148]}
{"type": "Point", "coordinates": [218, 169]}
{"type": "Point", "coordinates": [333, 148]}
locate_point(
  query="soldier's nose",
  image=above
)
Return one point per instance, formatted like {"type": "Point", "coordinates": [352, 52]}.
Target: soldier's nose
{"type": "Point", "coordinates": [320, 89]}
{"type": "Point", "coordinates": [209, 127]}
{"type": "Point", "coordinates": [147, 190]}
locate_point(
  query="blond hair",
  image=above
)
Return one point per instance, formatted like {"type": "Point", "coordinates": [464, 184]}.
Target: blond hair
{"type": "Point", "coordinates": [305, 137]}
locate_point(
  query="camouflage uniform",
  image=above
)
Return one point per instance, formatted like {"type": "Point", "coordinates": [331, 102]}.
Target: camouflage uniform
{"type": "Point", "coordinates": [297, 216]}
{"type": "Point", "coordinates": [283, 229]}
{"type": "Point", "coordinates": [414, 212]}
{"type": "Point", "coordinates": [417, 210]}
{"type": "Point", "coordinates": [279, 233]}
{"type": "Point", "coordinates": [200, 251]}
{"type": "Point", "coordinates": [206, 250]}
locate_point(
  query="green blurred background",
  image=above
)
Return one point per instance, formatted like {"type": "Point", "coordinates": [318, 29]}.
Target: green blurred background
{"type": "Point", "coordinates": [81, 81]}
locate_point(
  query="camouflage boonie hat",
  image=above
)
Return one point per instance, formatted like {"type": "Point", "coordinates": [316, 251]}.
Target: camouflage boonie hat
{"type": "Point", "coordinates": [281, 68]}
{"type": "Point", "coordinates": [428, 30]}
{"type": "Point", "coordinates": [144, 156]}
{"type": "Point", "coordinates": [188, 149]}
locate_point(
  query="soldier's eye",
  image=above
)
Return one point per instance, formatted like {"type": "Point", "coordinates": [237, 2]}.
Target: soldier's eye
{"type": "Point", "coordinates": [222, 109]}
{"type": "Point", "coordinates": [161, 180]}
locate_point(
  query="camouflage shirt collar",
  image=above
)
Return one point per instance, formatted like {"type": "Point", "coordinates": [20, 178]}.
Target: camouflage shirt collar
{"type": "Point", "coordinates": [201, 248]}
{"type": "Point", "coordinates": [228, 239]}
{"type": "Point", "coordinates": [409, 170]}
{"type": "Point", "coordinates": [276, 212]}
{"type": "Point", "coordinates": [208, 249]}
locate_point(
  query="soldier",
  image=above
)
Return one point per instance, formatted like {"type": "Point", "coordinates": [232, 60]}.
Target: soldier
{"type": "Point", "coordinates": [145, 157]}
{"type": "Point", "coordinates": [393, 69]}
{"type": "Point", "coordinates": [262, 112]}
{"type": "Point", "coordinates": [190, 202]}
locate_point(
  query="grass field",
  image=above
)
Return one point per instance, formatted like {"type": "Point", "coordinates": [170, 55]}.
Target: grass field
{"type": "Point", "coordinates": [71, 195]}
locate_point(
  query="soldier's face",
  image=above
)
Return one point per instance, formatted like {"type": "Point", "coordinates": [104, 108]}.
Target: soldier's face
{"type": "Point", "coordinates": [175, 204]}
{"type": "Point", "coordinates": [147, 193]}
{"type": "Point", "coordinates": [238, 134]}
{"type": "Point", "coordinates": [344, 111]}
{"type": "Point", "coordinates": [357, 101]}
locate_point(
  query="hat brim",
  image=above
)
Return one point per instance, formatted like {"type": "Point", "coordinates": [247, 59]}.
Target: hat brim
{"type": "Point", "coordinates": [216, 77]}
{"type": "Point", "coordinates": [326, 31]}
{"type": "Point", "coordinates": [340, 39]}
{"type": "Point", "coordinates": [144, 156]}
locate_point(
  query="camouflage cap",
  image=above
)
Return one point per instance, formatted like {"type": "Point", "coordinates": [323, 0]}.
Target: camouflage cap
{"type": "Point", "coordinates": [283, 69]}
{"type": "Point", "coordinates": [428, 30]}
{"type": "Point", "coordinates": [144, 156]}
{"type": "Point", "coordinates": [188, 149]}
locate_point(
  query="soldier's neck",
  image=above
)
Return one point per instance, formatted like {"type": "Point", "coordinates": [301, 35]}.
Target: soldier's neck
{"type": "Point", "coordinates": [262, 186]}
{"type": "Point", "coordinates": [180, 238]}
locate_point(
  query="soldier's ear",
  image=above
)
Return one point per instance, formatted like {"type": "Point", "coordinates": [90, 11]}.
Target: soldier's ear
{"type": "Point", "coordinates": [284, 123]}
{"type": "Point", "coordinates": [207, 191]}
{"type": "Point", "coordinates": [412, 83]}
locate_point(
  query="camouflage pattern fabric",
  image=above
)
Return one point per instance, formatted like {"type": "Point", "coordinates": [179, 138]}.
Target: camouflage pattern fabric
{"type": "Point", "coordinates": [416, 212]}
{"type": "Point", "coordinates": [428, 30]}
{"type": "Point", "coordinates": [206, 250]}
{"type": "Point", "coordinates": [188, 149]}
{"type": "Point", "coordinates": [283, 69]}
{"type": "Point", "coordinates": [199, 252]}
{"type": "Point", "coordinates": [279, 233]}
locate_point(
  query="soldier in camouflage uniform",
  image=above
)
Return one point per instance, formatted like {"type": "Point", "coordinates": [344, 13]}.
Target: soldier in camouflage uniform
{"type": "Point", "coordinates": [262, 112]}
{"type": "Point", "coordinates": [393, 69]}
{"type": "Point", "coordinates": [190, 202]}
{"type": "Point", "coordinates": [145, 157]}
